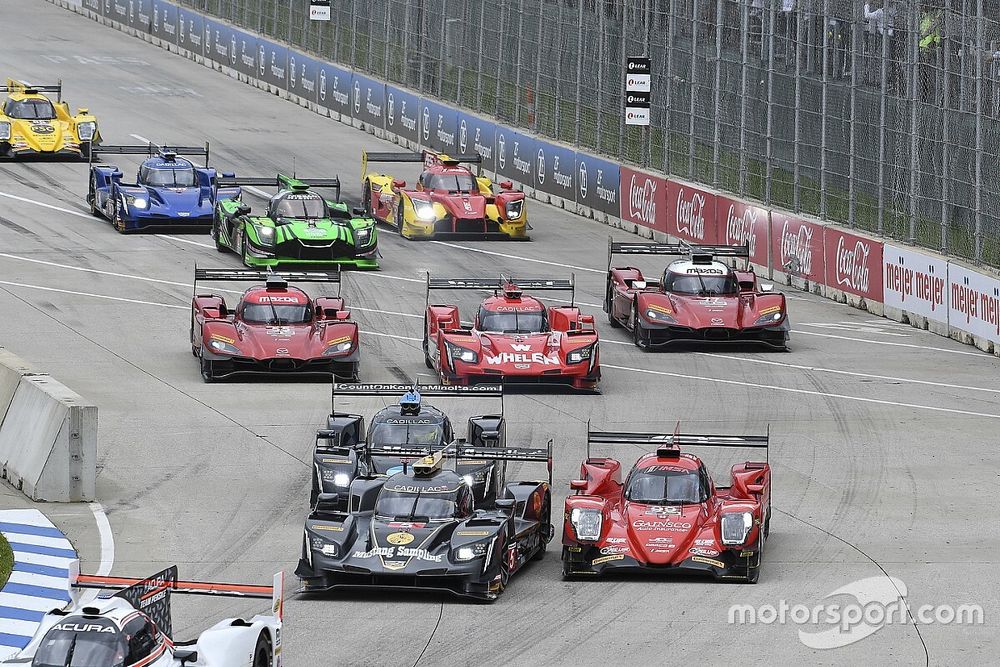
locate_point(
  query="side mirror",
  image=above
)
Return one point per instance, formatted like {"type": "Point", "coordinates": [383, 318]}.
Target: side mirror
{"type": "Point", "coordinates": [505, 504]}
{"type": "Point", "coordinates": [82, 110]}
{"type": "Point", "coordinates": [587, 319]}
{"type": "Point", "coordinates": [343, 315]}
{"type": "Point", "coordinates": [578, 484]}
{"type": "Point", "coordinates": [755, 488]}
{"type": "Point", "coordinates": [186, 655]}
{"type": "Point", "coordinates": [399, 184]}
{"type": "Point", "coordinates": [328, 502]}
{"type": "Point", "coordinates": [506, 185]}
{"type": "Point", "coordinates": [358, 211]}
{"type": "Point", "coordinates": [243, 209]}
{"type": "Point", "coordinates": [768, 287]}
{"type": "Point", "coordinates": [638, 284]}
{"type": "Point", "coordinates": [228, 174]}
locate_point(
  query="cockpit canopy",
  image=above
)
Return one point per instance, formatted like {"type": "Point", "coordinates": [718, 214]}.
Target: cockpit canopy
{"type": "Point", "coordinates": [32, 108]}
{"type": "Point", "coordinates": [524, 317]}
{"type": "Point", "coordinates": [714, 279]}
{"type": "Point", "coordinates": [299, 206]}
{"type": "Point", "coordinates": [161, 174]}
{"type": "Point", "coordinates": [93, 641]}
{"type": "Point", "coordinates": [660, 484]}
{"type": "Point", "coordinates": [443, 497]}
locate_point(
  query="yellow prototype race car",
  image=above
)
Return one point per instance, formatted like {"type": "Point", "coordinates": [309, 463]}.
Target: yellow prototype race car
{"type": "Point", "coordinates": [447, 201]}
{"type": "Point", "coordinates": [32, 125]}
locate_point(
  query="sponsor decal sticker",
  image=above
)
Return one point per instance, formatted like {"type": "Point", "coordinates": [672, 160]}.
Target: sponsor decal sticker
{"type": "Point", "coordinates": [399, 538]}
{"type": "Point", "coordinates": [536, 358]}
{"type": "Point", "coordinates": [704, 543]}
{"type": "Point", "coordinates": [701, 551]}
{"type": "Point", "coordinates": [473, 533]}
{"type": "Point", "coordinates": [332, 529]}
{"type": "Point", "coordinates": [605, 559]}
{"type": "Point", "coordinates": [661, 510]}
{"type": "Point", "coordinates": [708, 561]}
{"type": "Point", "coordinates": [605, 551]}
{"type": "Point", "coordinates": [615, 540]}
{"type": "Point", "coordinates": [643, 525]}
{"type": "Point", "coordinates": [223, 339]}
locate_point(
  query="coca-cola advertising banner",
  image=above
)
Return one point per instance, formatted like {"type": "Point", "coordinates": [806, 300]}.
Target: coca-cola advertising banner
{"type": "Point", "coordinates": [974, 302]}
{"type": "Point", "coordinates": [643, 199]}
{"type": "Point", "coordinates": [740, 223]}
{"type": "Point", "coordinates": [853, 264]}
{"type": "Point", "coordinates": [690, 213]}
{"type": "Point", "coordinates": [916, 283]}
{"type": "Point", "coordinates": [797, 246]}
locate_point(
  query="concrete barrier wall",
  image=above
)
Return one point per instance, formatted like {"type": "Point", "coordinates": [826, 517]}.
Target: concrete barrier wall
{"type": "Point", "coordinates": [48, 435]}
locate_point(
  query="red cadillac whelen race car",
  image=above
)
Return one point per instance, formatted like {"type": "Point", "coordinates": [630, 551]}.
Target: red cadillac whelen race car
{"type": "Point", "coordinates": [275, 329]}
{"type": "Point", "coordinates": [514, 338]}
{"type": "Point", "coordinates": [699, 299]}
{"type": "Point", "coordinates": [668, 515]}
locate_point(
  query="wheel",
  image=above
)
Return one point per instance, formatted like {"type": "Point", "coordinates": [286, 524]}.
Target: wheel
{"type": "Point", "coordinates": [194, 348]}
{"type": "Point", "coordinates": [399, 220]}
{"type": "Point", "coordinates": [638, 338]}
{"type": "Point", "coordinates": [217, 234]}
{"type": "Point", "coordinates": [366, 200]}
{"type": "Point", "coordinates": [313, 494]}
{"type": "Point", "coordinates": [117, 218]}
{"type": "Point", "coordinates": [92, 197]}
{"type": "Point", "coordinates": [263, 653]}
{"type": "Point", "coordinates": [243, 247]}
{"type": "Point", "coordinates": [753, 571]}
{"type": "Point", "coordinates": [612, 320]}
{"type": "Point", "coordinates": [767, 522]}
{"type": "Point", "coordinates": [206, 370]}
{"type": "Point", "coordinates": [546, 527]}
{"type": "Point", "coordinates": [427, 348]}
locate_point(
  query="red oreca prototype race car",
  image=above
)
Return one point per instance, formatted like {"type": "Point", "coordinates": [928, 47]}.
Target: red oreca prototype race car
{"type": "Point", "coordinates": [668, 515]}
{"type": "Point", "coordinates": [698, 299]}
{"type": "Point", "coordinates": [514, 338]}
{"type": "Point", "coordinates": [275, 329]}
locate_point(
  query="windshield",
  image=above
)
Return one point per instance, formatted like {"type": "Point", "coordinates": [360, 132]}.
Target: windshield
{"type": "Point", "coordinates": [697, 283]}
{"type": "Point", "coordinates": [264, 313]}
{"type": "Point", "coordinates": [408, 433]}
{"type": "Point", "coordinates": [513, 321]}
{"type": "Point", "coordinates": [398, 506]}
{"type": "Point", "coordinates": [453, 183]}
{"type": "Point", "coordinates": [664, 485]}
{"type": "Point", "coordinates": [170, 178]}
{"type": "Point", "coordinates": [68, 648]}
{"type": "Point", "coordinates": [35, 108]}
{"type": "Point", "coordinates": [301, 207]}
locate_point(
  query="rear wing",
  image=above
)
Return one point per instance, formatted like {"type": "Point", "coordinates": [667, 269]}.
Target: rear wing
{"type": "Point", "coordinates": [498, 284]}
{"type": "Point", "coordinates": [433, 390]}
{"type": "Point", "coordinates": [15, 86]}
{"type": "Point", "coordinates": [150, 149]}
{"type": "Point", "coordinates": [461, 450]}
{"type": "Point", "coordinates": [151, 595]}
{"type": "Point", "coordinates": [283, 181]}
{"type": "Point", "coordinates": [426, 157]}
{"type": "Point", "coordinates": [673, 441]}
{"type": "Point", "coordinates": [682, 248]}
{"type": "Point", "coordinates": [278, 279]}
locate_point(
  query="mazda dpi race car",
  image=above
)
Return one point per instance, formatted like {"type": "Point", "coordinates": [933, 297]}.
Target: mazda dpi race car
{"type": "Point", "coordinates": [343, 448]}
{"type": "Point", "coordinates": [448, 201]}
{"type": "Point", "coordinates": [300, 227]}
{"type": "Point", "coordinates": [698, 299]}
{"type": "Point", "coordinates": [422, 528]}
{"type": "Point", "coordinates": [132, 627]}
{"type": "Point", "coordinates": [169, 190]}
{"type": "Point", "coordinates": [513, 339]}
{"type": "Point", "coordinates": [275, 329]}
{"type": "Point", "coordinates": [31, 125]}
{"type": "Point", "coordinates": [668, 515]}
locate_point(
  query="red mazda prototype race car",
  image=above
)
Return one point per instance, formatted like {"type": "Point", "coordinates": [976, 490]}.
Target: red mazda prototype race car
{"type": "Point", "coordinates": [668, 516]}
{"type": "Point", "coordinates": [698, 299]}
{"type": "Point", "coordinates": [274, 329]}
{"type": "Point", "coordinates": [514, 338]}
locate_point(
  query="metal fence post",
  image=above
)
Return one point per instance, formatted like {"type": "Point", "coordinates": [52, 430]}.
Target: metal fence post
{"type": "Point", "coordinates": [517, 63]}
{"type": "Point", "coordinates": [479, 58]}
{"type": "Point", "coordinates": [693, 86]}
{"type": "Point", "coordinates": [882, 109]}
{"type": "Point", "coordinates": [623, 64]}
{"type": "Point", "coordinates": [823, 101]}
{"type": "Point", "coordinates": [717, 100]}
{"type": "Point", "coordinates": [354, 33]}
{"type": "Point", "coordinates": [978, 179]}
{"type": "Point", "coordinates": [852, 141]}
{"type": "Point", "coordinates": [797, 113]}
{"type": "Point", "coordinates": [579, 75]}
{"type": "Point", "coordinates": [600, 74]}
{"type": "Point", "coordinates": [744, 81]}
{"type": "Point", "coordinates": [944, 49]}
{"type": "Point", "coordinates": [386, 51]}
{"type": "Point", "coordinates": [537, 99]}
{"type": "Point", "coordinates": [769, 150]}
{"type": "Point", "coordinates": [668, 86]}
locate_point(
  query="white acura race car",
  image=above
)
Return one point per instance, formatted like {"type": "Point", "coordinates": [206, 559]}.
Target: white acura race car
{"type": "Point", "coordinates": [132, 627]}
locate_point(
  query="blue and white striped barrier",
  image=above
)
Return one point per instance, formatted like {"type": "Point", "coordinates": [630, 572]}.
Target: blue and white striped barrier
{"type": "Point", "coordinates": [40, 579]}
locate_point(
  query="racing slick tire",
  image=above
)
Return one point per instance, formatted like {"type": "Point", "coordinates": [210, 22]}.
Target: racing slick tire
{"type": "Point", "coordinates": [243, 247]}
{"type": "Point", "coordinates": [194, 348]}
{"type": "Point", "coordinates": [366, 200]}
{"type": "Point", "coordinates": [612, 320]}
{"type": "Point", "coordinates": [92, 197]}
{"type": "Point", "coordinates": [753, 571]}
{"type": "Point", "coordinates": [640, 339]}
{"type": "Point", "coordinates": [263, 652]}
{"type": "Point", "coordinates": [207, 374]}
{"type": "Point", "coordinates": [426, 345]}
{"type": "Point", "coordinates": [546, 528]}
{"type": "Point", "coordinates": [399, 220]}
{"type": "Point", "coordinates": [217, 235]}
{"type": "Point", "coordinates": [117, 217]}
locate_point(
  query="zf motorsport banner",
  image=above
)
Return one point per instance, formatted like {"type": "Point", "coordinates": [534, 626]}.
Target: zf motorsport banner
{"type": "Point", "coordinates": [190, 26]}
{"type": "Point", "coordinates": [597, 183]}
{"type": "Point", "coordinates": [515, 156]}
{"type": "Point", "coordinates": [368, 100]}
{"type": "Point", "coordinates": [334, 89]}
{"type": "Point", "coordinates": [165, 21]}
{"type": "Point", "coordinates": [555, 169]}
{"type": "Point", "coordinates": [402, 113]}
{"type": "Point", "coordinates": [476, 135]}
{"type": "Point", "coordinates": [438, 126]}
{"type": "Point", "coordinates": [272, 63]}
{"type": "Point", "coordinates": [243, 53]}
{"type": "Point", "coordinates": [302, 74]}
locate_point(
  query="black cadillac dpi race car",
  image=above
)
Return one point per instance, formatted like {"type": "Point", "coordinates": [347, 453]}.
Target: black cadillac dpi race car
{"type": "Point", "coordinates": [422, 528]}
{"type": "Point", "coordinates": [341, 453]}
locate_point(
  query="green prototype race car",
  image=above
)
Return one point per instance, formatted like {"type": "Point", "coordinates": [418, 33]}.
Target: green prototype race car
{"type": "Point", "coordinates": [300, 226]}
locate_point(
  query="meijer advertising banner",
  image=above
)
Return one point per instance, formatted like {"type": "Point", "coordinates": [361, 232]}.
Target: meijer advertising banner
{"type": "Point", "coordinates": [740, 223]}
{"type": "Point", "coordinates": [643, 199]}
{"type": "Point", "coordinates": [915, 283]}
{"type": "Point", "coordinates": [974, 302]}
{"type": "Point", "coordinates": [690, 213]}
{"type": "Point", "coordinates": [853, 263]}
{"type": "Point", "coordinates": [797, 246]}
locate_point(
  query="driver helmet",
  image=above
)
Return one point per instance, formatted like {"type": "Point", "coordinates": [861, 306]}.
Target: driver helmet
{"type": "Point", "coordinates": [409, 404]}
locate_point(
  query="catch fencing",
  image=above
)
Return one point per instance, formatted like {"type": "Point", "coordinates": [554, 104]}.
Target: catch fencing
{"type": "Point", "coordinates": [883, 116]}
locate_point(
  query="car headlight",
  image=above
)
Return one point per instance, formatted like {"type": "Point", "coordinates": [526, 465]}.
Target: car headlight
{"type": "Point", "coordinates": [735, 527]}
{"type": "Point", "coordinates": [5, 130]}
{"type": "Point", "coordinates": [329, 550]}
{"type": "Point", "coordinates": [86, 130]}
{"type": "Point", "coordinates": [472, 551]}
{"type": "Point", "coordinates": [514, 209]}
{"type": "Point", "coordinates": [424, 210]}
{"type": "Point", "coordinates": [461, 353]}
{"type": "Point", "coordinates": [581, 354]}
{"type": "Point", "coordinates": [363, 236]}
{"type": "Point", "coordinates": [222, 347]}
{"type": "Point", "coordinates": [659, 315]}
{"type": "Point", "coordinates": [265, 234]}
{"type": "Point", "coordinates": [338, 348]}
{"type": "Point", "coordinates": [770, 319]}
{"type": "Point", "coordinates": [587, 524]}
{"type": "Point", "coordinates": [341, 479]}
{"type": "Point", "coordinates": [137, 202]}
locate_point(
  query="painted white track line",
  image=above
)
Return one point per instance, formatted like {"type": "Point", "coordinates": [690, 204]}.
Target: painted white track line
{"type": "Point", "coordinates": [886, 342]}
{"type": "Point", "coordinates": [95, 296]}
{"type": "Point", "coordinates": [49, 206]}
{"type": "Point", "coordinates": [107, 547]}
{"type": "Point", "coordinates": [522, 259]}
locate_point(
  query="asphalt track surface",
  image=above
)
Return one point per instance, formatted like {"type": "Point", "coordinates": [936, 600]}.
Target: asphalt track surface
{"type": "Point", "coordinates": [883, 436]}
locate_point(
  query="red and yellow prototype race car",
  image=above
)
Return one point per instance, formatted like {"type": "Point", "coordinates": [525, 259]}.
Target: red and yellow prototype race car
{"type": "Point", "coordinates": [698, 299]}
{"type": "Point", "coordinates": [514, 339]}
{"type": "Point", "coordinates": [668, 515]}
{"type": "Point", "coordinates": [448, 200]}
{"type": "Point", "coordinates": [275, 329]}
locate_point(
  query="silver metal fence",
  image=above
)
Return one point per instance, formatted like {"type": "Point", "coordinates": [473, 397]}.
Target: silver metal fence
{"type": "Point", "coordinates": [882, 115]}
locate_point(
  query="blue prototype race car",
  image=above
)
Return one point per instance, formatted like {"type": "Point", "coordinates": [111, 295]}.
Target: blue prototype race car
{"type": "Point", "coordinates": [169, 190]}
